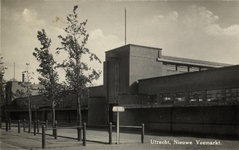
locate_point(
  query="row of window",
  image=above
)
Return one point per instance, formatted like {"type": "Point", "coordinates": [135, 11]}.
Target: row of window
{"type": "Point", "coordinates": [181, 68]}
{"type": "Point", "coordinates": [228, 95]}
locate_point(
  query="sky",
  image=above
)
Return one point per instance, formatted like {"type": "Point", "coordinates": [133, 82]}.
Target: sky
{"type": "Point", "coordinates": [202, 30]}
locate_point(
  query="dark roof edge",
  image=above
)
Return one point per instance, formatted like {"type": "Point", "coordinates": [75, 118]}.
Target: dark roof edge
{"type": "Point", "coordinates": [135, 46]}
{"type": "Point", "coordinates": [195, 61]}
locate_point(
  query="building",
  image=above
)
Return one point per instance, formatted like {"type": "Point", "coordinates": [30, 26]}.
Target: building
{"type": "Point", "coordinates": [17, 106]}
{"type": "Point", "coordinates": [167, 93]}
{"type": "Point", "coordinates": [163, 92]}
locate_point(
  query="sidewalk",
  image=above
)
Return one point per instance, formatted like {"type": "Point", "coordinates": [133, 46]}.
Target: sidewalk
{"type": "Point", "coordinates": [24, 140]}
{"type": "Point", "coordinates": [98, 139]}
{"type": "Point", "coordinates": [66, 139]}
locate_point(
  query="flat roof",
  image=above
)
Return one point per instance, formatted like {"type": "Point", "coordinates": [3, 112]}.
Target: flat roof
{"type": "Point", "coordinates": [181, 74]}
{"type": "Point", "coordinates": [134, 46]}
{"type": "Point", "coordinates": [192, 61]}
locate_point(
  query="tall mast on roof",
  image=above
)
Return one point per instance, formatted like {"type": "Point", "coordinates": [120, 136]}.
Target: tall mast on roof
{"type": "Point", "coordinates": [14, 72]}
{"type": "Point", "coordinates": [125, 26]}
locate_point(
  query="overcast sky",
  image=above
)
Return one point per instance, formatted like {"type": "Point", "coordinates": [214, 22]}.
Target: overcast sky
{"type": "Point", "coordinates": [203, 30]}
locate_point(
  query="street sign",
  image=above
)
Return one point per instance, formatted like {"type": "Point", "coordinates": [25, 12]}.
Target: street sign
{"type": "Point", "coordinates": [118, 109]}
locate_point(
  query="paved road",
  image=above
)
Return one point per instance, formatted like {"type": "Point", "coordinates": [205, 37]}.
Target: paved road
{"type": "Point", "coordinates": [98, 139]}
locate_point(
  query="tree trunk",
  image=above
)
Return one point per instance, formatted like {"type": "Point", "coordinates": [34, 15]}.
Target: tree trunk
{"type": "Point", "coordinates": [53, 116]}
{"type": "Point", "coordinates": [30, 114]}
{"type": "Point", "coordinates": [35, 112]}
{"type": "Point", "coordinates": [79, 117]}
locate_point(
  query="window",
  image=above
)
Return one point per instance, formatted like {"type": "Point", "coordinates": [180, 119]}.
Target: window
{"type": "Point", "coordinates": [214, 95]}
{"type": "Point", "coordinates": [195, 96]}
{"type": "Point", "coordinates": [179, 97]}
{"type": "Point", "coordinates": [116, 89]}
{"type": "Point", "coordinates": [203, 69]}
{"type": "Point", "coordinates": [182, 68]}
{"type": "Point", "coordinates": [171, 67]}
{"type": "Point", "coordinates": [152, 99]}
{"type": "Point", "coordinates": [116, 71]}
{"type": "Point", "coordinates": [165, 98]}
{"type": "Point", "coordinates": [192, 69]}
{"type": "Point", "coordinates": [232, 94]}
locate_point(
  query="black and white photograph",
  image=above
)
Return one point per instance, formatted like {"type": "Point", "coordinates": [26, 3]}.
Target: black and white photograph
{"type": "Point", "coordinates": [119, 74]}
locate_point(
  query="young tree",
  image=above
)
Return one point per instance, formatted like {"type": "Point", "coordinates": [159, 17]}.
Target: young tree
{"type": "Point", "coordinates": [2, 68]}
{"type": "Point", "coordinates": [26, 91]}
{"type": "Point", "coordinates": [49, 77]}
{"type": "Point", "coordinates": [2, 81]}
{"type": "Point", "coordinates": [2, 86]}
{"type": "Point", "coordinates": [78, 74]}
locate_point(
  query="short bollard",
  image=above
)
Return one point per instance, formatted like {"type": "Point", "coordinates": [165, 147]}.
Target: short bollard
{"type": "Point", "coordinates": [84, 134]}
{"type": "Point", "coordinates": [19, 126]}
{"type": "Point", "coordinates": [24, 121]}
{"type": "Point", "coordinates": [110, 133]}
{"type": "Point", "coordinates": [6, 125]}
{"type": "Point", "coordinates": [43, 137]}
{"type": "Point", "coordinates": [55, 133]}
{"type": "Point", "coordinates": [78, 137]}
{"type": "Point", "coordinates": [10, 123]}
{"type": "Point", "coordinates": [78, 132]}
{"type": "Point", "coordinates": [142, 133]}
{"type": "Point", "coordinates": [35, 127]}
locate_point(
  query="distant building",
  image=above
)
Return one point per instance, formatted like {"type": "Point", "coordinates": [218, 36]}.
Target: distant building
{"type": "Point", "coordinates": [13, 86]}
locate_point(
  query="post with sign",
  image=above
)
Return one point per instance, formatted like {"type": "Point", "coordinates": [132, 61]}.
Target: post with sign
{"type": "Point", "coordinates": [118, 109]}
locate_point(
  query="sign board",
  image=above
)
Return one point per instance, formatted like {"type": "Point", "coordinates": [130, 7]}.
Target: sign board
{"type": "Point", "coordinates": [118, 109]}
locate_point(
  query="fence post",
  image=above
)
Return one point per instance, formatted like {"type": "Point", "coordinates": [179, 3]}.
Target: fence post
{"type": "Point", "coordinates": [6, 125]}
{"type": "Point", "coordinates": [142, 134]}
{"type": "Point", "coordinates": [55, 133]}
{"type": "Point", "coordinates": [84, 135]}
{"type": "Point", "coordinates": [24, 121]}
{"type": "Point", "coordinates": [35, 127]}
{"type": "Point", "coordinates": [110, 133]}
{"type": "Point", "coordinates": [19, 126]}
{"type": "Point", "coordinates": [46, 124]}
{"type": "Point", "coordinates": [10, 122]}
{"type": "Point", "coordinates": [43, 137]}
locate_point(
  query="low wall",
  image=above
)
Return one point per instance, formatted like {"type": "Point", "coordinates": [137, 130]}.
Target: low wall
{"type": "Point", "coordinates": [207, 119]}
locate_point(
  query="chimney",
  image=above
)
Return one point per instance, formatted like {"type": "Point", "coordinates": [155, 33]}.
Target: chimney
{"type": "Point", "coordinates": [23, 77]}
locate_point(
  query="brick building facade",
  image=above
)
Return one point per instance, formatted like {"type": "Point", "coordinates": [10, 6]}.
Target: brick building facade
{"type": "Point", "coordinates": [164, 92]}
{"type": "Point", "coordinates": [168, 93]}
